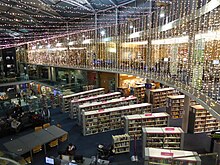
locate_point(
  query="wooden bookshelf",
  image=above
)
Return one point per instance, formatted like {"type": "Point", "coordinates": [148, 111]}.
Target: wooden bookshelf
{"type": "Point", "coordinates": [118, 102]}
{"type": "Point", "coordinates": [65, 100]}
{"type": "Point", "coordinates": [156, 156]}
{"type": "Point", "coordinates": [139, 92]}
{"type": "Point", "coordinates": [162, 137]}
{"type": "Point", "coordinates": [158, 97]}
{"type": "Point", "coordinates": [200, 120]}
{"type": "Point", "coordinates": [175, 106]}
{"type": "Point", "coordinates": [103, 97]}
{"type": "Point", "coordinates": [121, 143]}
{"type": "Point", "coordinates": [110, 119]}
{"type": "Point", "coordinates": [134, 123]}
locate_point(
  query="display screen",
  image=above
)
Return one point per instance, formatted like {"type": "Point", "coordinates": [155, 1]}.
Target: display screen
{"type": "Point", "coordinates": [49, 160]}
{"type": "Point", "coordinates": [215, 62]}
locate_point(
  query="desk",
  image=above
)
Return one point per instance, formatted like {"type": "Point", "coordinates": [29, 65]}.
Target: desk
{"type": "Point", "coordinates": [17, 147]}
{"type": "Point", "coordinates": [26, 143]}
{"type": "Point", "coordinates": [55, 131]}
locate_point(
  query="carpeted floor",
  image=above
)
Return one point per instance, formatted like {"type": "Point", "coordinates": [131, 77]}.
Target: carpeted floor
{"type": "Point", "coordinates": [86, 145]}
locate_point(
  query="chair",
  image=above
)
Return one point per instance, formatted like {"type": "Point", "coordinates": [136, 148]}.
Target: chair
{"type": "Point", "coordinates": [46, 125]}
{"type": "Point", "coordinates": [53, 143]}
{"type": "Point", "coordinates": [63, 138]}
{"type": "Point", "coordinates": [59, 125]}
{"type": "Point", "coordinates": [37, 149]}
{"type": "Point", "coordinates": [28, 160]}
{"type": "Point", "coordinates": [38, 128]}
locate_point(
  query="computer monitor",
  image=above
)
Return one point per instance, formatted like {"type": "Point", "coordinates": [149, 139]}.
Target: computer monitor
{"type": "Point", "coordinates": [49, 160]}
{"type": "Point", "coordinates": [215, 62]}
{"type": "Point", "coordinates": [72, 164]}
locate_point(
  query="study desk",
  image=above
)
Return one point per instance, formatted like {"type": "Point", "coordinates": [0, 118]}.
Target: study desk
{"type": "Point", "coordinates": [26, 143]}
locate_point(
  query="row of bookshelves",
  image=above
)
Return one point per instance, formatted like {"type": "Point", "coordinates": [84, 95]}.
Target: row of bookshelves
{"type": "Point", "coordinates": [122, 101]}
{"type": "Point", "coordinates": [162, 137]}
{"type": "Point", "coordinates": [103, 97]}
{"type": "Point", "coordinates": [158, 97]}
{"type": "Point", "coordinates": [134, 123]}
{"type": "Point", "coordinates": [200, 120]}
{"type": "Point", "coordinates": [156, 156]}
{"type": "Point", "coordinates": [65, 100]}
{"type": "Point", "coordinates": [111, 118]}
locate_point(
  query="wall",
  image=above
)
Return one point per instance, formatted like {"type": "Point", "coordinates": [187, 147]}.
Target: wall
{"type": "Point", "coordinates": [107, 81]}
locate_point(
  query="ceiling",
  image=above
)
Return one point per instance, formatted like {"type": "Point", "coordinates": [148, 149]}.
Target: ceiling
{"type": "Point", "coordinates": [22, 20]}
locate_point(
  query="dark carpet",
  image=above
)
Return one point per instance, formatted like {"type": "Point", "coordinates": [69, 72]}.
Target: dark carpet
{"type": "Point", "coordinates": [86, 145]}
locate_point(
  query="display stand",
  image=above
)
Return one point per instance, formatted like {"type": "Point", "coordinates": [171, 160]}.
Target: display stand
{"type": "Point", "coordinates": [162, 137]}
{"type": "Point", "coordinates": [123, 101]}
{"type": "Point", "coordinates": [134, 123]}
{"type": "Point", "coordinates": [175, 106]}
{"type": "Point", "coordinates": [121, 143]}
{"type": "Point", "coordinates": [43, 101]}
{"type": "Point", "coordinates": [65, 100]}
{"type": "Point", "coordinates": [34, 103]}
{"type": "Point", "coordinates": [153, 156]}
{"type": "Point", "coordinates": [103, 97]}
{"type": "Point", "coordinates": [158, 97]}
{"type": "Point", "coordinates": [200, 120]}
{"type": "Point", "coordinates": [110, 119]}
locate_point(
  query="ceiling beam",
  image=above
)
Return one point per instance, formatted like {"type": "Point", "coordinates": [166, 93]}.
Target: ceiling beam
{"type": "Point", "coordinates": [74, 3]}
{"type": "Point", "coordinates": [90, 5]}
{"type": "Point", "coordinates": [113, 2]}
{"type": "Point", "coordinates": [119, 5]}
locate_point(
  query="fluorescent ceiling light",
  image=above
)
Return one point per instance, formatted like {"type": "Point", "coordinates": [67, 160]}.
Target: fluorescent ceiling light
{"type": "Point", "coordinates": [58, 44]}
{"type": "Point", "coordinates": [87, 41]}
{"type": "Point", "coordinates": [176, 40]}
{"type": "Point", "coordinates": [135, 35]}
{"type": "Point", "coordinates": [71, 43]}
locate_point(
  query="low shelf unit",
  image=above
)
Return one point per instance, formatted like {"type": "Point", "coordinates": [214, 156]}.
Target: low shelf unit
{"type": "Point", "coordinates": [157, 156]}
{"type": "Point", "coordinates": [121, 143]}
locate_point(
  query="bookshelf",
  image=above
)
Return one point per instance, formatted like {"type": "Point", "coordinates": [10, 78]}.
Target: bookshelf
{"type": "Point", "coordinates": [122, 101]}
{"type": "Point", "coordinates": [139, 92]}
{"type": "Point", "coordinates": [103, 97]}
{"type": "Point", "coordinates": [121, 143]}
{"type": "Point", "coordinates": [158, 97]}
{"type": "Point", "coordinates": [200, 120]}
{"type": "Point", "coordinates": [134, 123]}
{"type": "Point", "coordinates": [156, 156]}
{"type": "Point", "coordinates": [175, 106]}
{"type": "Point", "coordinates": [162, 137]}
{"type": "Point", "coordinates": [111, 118]}
{"type": "Point", "coordinates": [65, 100]}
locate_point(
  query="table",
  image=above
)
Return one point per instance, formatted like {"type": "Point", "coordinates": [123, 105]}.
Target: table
{"type": "Point", "coordinates": [26, 143]}
{"type": "Point", "coordinates": [16, 146]}
{"type": "Point", "coordinates": [55, 131]}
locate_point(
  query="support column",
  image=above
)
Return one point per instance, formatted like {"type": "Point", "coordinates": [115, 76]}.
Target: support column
{"type": "Point", "coordinates": [185, 120]}
{"type": "Point", "coordinates": [117, 39]}
{"type": "Point", "coordinates": [53, 73]}
{"type": "Point", "coordinates": [148, 92]}
{"type": "Point", "coordinates": [116, 81]}
{"type": "Point", "coordinates": [49, 73]}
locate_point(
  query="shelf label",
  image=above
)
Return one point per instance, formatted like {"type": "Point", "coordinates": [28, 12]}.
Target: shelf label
{"type": "Point", "coordinates": [166, 154]}
{"type": "Point", "coordinates": [148, 114]}
{"type": "Point", "coordinates": [104, 101]}
{"type": "Point", "coordinates": [169, 129]}
{"type": "Point", "coordinates": [101, 110]}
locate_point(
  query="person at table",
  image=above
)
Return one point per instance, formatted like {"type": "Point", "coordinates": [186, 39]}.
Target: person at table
{"type": "Point", "coordinates": [70, 150]}
{"type": "Point", "coordinates": [15, 125]}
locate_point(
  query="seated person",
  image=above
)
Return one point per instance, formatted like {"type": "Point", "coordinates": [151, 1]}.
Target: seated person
{"type": "Point", "coordinates": [70, 150]}
{"type": "Point", "coordinates": [15, 125]}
